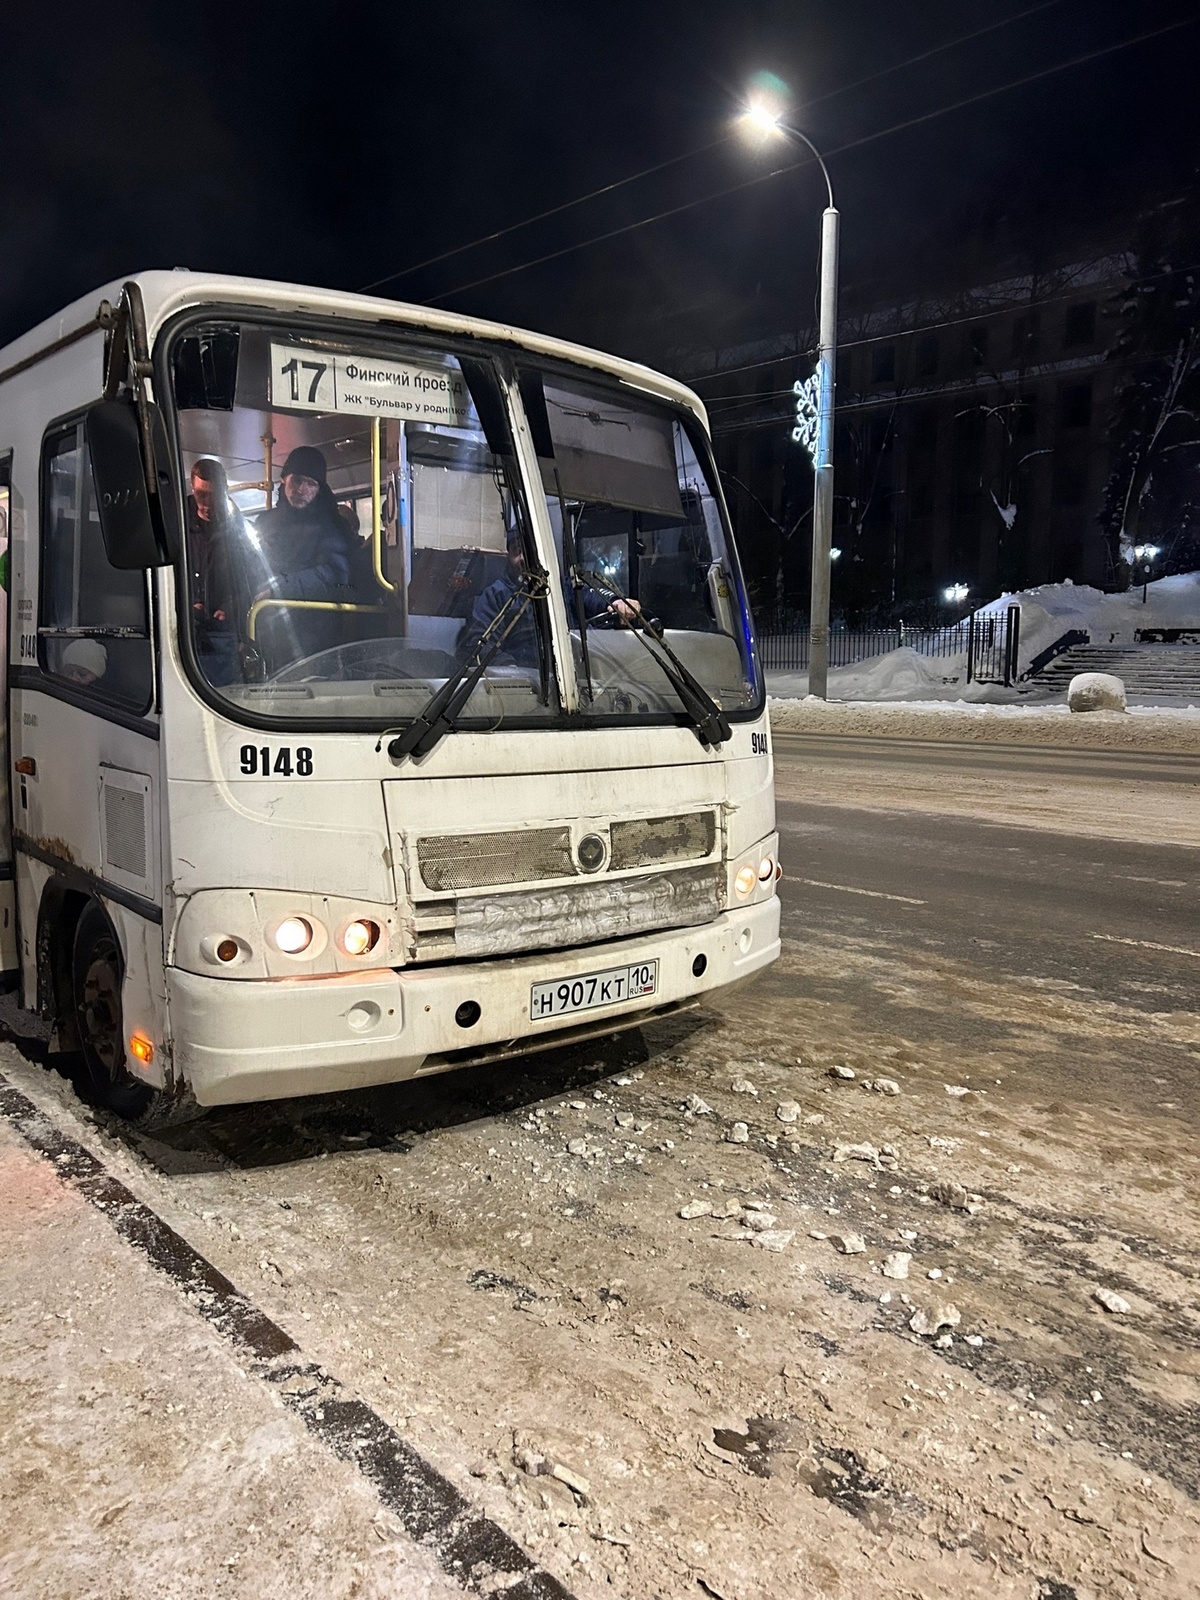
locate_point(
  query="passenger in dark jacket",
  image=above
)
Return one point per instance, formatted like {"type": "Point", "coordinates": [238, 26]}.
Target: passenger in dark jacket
{"type": "Point", "coordinates": [220, 581]}
{"type": "Point", "coordinates": [307, 551]}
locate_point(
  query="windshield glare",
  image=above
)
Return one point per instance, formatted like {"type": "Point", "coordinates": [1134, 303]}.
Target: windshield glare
{"type": "Point", "coordinates": [356, 534]}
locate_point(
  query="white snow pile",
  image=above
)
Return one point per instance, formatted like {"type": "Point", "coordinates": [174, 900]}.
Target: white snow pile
{"type": "Point", "coordinates": [899, 675]}
{"type": "Point", "coordinates": [1055, 608]}
{"type": "Point", "coordinates": [1096, 691]}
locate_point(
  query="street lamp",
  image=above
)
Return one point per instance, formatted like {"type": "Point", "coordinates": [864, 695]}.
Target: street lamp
{"type": "Point", "coordinates": [763, 117]}
{"type": "Point", "coordinates": [1143, 559]}
{"type": "Point", "coordinates": [956, 593]}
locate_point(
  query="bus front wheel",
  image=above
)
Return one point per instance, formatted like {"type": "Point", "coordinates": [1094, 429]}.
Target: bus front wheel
{"type": "Point", "coordinates": [97, 972]}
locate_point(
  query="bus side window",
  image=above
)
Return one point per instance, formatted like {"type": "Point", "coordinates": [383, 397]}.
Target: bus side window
{"type": "Point", "coordinates": [93, 631]}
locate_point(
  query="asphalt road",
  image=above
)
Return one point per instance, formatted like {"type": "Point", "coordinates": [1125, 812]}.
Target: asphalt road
{"type": "Point", "coordinates": [722, 1322]}
{"type": "Point", "coordinates": [1111, 922]}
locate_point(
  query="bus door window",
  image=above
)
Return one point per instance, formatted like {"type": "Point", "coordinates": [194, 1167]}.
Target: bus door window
{"type": "Point", "coordinates": [93, 619]}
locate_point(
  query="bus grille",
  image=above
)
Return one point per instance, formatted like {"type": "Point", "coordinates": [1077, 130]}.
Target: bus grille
{"type": "Point", "coordinates": [652, 841]}
{"type": "Point", "coordinates": [471, 860]}
{"type": "Point", "coordinates": [590, 912]}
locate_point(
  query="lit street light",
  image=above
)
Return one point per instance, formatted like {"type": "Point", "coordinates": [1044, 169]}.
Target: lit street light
{"type": "Point", "coordinates": [814, 402]}
{"type": "Point", "coordinates": [1143, 563]}
{"type": "Point", "coordinates": [956, 593]}
{"type": "Point", "coordinates": [759, 118]}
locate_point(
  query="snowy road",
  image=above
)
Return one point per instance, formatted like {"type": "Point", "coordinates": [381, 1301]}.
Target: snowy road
{"type": "Point", "coordinates": [730, 1404]}
{"type": "Point", "coordinates": [966, 863]}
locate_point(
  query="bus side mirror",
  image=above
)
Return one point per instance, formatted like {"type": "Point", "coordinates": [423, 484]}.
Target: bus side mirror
{"type": "Point", "coordinates": [138, 515]}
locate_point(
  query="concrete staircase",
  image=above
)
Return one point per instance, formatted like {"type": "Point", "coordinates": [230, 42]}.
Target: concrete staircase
{"type": "Point", "coordinates": [1162, 670]}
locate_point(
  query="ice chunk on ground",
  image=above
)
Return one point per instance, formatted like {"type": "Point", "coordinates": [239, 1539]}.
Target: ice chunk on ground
{"type": "Point", "coordinates": [1112, 1301]}
{"type": "Point", "coordinates": [942, 1315]}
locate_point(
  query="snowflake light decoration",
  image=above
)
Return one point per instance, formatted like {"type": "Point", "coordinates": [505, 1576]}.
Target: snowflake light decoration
{"type": "Point", "coordinates": [808, 413]}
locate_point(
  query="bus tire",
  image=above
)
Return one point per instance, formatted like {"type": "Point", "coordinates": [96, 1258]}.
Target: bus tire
{"type": "Point", "coordinates": [97, 971]}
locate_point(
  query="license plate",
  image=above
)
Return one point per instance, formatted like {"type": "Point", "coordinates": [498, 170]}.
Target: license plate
{"type": "Point", "coordinates": [561, 996]}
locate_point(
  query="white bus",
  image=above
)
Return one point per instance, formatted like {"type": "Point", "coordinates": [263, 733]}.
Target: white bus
{"type": "Point", "coordinates": [381, 694]}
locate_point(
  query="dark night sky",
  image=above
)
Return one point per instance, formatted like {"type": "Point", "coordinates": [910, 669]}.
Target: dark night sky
{"type": "Point", "coordinates": [331, 144]}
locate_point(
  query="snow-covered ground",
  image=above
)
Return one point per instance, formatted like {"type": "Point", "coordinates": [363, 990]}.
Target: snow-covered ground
{"type": "Point", "coordinates": [1047, 613]}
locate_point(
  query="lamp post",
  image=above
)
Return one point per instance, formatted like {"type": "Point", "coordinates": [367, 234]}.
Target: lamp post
{"type": "Point", "coordinates": [815, 408]}
{"type": "Point", "coordinates": [1143, 564]}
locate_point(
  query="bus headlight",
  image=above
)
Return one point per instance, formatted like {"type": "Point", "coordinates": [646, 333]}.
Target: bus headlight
{"type": "Point", "coordinates": [746, 881]}
{"type": "Point", "coordinates": [766, 869]}
{"type": "Point", "coordinates": [359, 937]}
{"type": "Point", "coordinates": [293, 935]}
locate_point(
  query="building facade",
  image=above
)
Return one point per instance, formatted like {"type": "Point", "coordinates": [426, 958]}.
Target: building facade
{"type": "Point", "coordinates": [971, 445]}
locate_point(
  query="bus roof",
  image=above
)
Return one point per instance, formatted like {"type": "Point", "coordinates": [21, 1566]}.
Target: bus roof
{"type": "Point", "coordinates": [166, 293]}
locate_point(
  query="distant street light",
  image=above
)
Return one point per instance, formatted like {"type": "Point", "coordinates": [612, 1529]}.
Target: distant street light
{"type": "Point", "coordinates": [763, 117]}
{"type": "Point", "coordinates": [956, 593]}
{"type": "Point", "coordinates": [1143, 563]}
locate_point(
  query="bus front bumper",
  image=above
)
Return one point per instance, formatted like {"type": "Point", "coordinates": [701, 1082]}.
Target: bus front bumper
{"type": "Point", "coordinates": [268, 1039]}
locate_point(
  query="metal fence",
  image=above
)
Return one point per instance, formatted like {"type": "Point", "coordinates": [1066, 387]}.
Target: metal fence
{"type": "Point", "coordinates": [789, 652]}
{"type": "Point", "coordinates": [993, 645]}
{"type": "Point", "coordinates": [990, 640]}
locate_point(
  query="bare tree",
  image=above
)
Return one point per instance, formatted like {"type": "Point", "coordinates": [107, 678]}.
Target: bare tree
{"type": "Point", "coordinates": [1153, 492]}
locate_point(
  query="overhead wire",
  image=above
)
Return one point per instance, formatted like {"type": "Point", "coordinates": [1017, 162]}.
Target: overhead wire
{"type": "Point", "coordinates": [963, 38]}
{"type": "Point", "coordinates": [853, 144]}
{"type": "Point", "coordinates": [540, 216]}
{"type": "Point", "coordinates": [673, 161]}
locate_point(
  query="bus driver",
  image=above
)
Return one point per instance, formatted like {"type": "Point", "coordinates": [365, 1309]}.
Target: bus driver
{"type": "Point", "coordinates": [520, 646]}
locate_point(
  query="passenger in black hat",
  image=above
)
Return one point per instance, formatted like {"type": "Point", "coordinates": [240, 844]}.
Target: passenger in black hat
{"type": "Point", "coordinates": [305, 546]}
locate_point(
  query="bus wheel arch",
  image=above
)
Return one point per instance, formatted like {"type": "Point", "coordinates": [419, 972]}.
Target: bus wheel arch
{"type": "Point", "coordinates": [97, 980]}
{"type": "Point", "coordinates": [59, 912]}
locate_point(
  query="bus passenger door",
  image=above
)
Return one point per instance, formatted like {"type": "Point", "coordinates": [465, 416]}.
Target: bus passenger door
{"type": "Point", "coordinates": [84, 728]}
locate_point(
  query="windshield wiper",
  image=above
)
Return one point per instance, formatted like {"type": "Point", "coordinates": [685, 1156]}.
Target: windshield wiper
{"type": "Point", "coordinates": [709, 722]}
{"type": "Point", "coordinates": [436, 718]}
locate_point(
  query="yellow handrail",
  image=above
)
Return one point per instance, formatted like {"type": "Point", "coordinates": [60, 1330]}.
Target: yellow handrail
{"type": "Point", "coordinates": [304, 605]}
{"type": "Point", "coordinates": [377, 511]}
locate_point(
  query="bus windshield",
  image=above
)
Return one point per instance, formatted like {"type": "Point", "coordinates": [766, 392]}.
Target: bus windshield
{"type": "Point", "coordinates": [357, 533]}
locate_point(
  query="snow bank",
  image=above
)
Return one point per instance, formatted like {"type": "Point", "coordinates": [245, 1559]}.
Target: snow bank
{"type": "Point", "coordinates": [1053, 609]}
{"type": "Point", "coordinates": [898, 676]}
